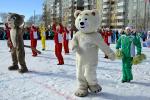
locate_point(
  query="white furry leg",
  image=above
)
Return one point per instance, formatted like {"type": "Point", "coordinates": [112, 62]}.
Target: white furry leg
{"type": "Point", "coordinates": [95, 88]}
{"type": "Point", "coordinates": [82, 91]}
{"type": "Point", "coordinates": [90, 74]}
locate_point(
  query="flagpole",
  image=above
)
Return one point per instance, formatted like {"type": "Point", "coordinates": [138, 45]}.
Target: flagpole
{"type": "Point", "coordinates": [136, 13]}
{"type": "Point", "coordinates": [148, 14]}
{"type": "Point", "coordinates": [145, 16]}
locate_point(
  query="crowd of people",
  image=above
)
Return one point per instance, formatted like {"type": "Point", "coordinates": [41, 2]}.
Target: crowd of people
{"type": "Point", "coordinates": [59, 33]}
{"type": "Point", "coordinates": [48, 32]}
{"type": "Point", "coordinates": [111, 36]}
{"type": "Point", "coordinates": [61, 36]}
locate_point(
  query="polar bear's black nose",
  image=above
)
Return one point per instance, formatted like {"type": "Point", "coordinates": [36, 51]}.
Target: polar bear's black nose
{"type": "Point", "coordinates": [81, 23]}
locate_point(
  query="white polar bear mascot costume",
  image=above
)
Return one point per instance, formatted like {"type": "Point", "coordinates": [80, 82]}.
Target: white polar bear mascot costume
{"type": "Point", "coordinates": [86, 43]}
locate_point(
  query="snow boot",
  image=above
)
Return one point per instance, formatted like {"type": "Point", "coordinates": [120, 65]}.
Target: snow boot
{"type": "Point", "coordinates": [95, 88]}
{"type": "Point", "coordinates": [13, 67]}
{"type": "Point", "coordinates": [23, 70]}
{"type": "Point", "coordinates": [123, 81]}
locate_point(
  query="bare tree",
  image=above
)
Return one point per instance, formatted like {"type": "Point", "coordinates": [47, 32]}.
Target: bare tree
{"type": "Point", "coordinates": [34, 20]}
{"type": "Point", "coordinates": [3, 17]}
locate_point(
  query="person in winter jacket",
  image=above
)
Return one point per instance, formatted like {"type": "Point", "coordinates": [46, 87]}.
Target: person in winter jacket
{"type": "Point", "coordinates": [66, 37]}
{"type": "Point", "coordinates": [106, 34]}
{"type": "Point", "coordinates": [58, 43]}
{"type": "Point", "coordinates": [7, 31]}
{"type": "Point", "coordinates": [33, 38]}
{"type": "Point", "coordinates": [43, 35]}
{"type": "Point", "coordinates": [127, 42]}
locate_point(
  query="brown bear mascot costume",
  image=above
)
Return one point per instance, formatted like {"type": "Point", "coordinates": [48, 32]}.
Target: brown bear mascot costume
{"type": "Point", "coordinates": [15, 21]}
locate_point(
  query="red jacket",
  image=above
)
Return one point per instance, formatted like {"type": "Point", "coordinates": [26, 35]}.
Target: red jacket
{"type": "Point", "coordinates": [32, 30]}
{"type": "Point", "coordinates": [65, 33]}
{"type": "Point", "coordinates": [56, 37]}
{"type": "Point", "coordinates": [105, 35]}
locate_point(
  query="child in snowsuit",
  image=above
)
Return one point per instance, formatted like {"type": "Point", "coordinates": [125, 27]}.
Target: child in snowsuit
{"type": "Point", "coordinates": [106, 34]}
{"type": "Point", "coordinates": [127, 42]}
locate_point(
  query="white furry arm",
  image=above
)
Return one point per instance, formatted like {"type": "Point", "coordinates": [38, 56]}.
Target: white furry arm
{"type": "Point", "coordinates": [104, 47]}
{"type": "Point", "coordinates": [75, 44]}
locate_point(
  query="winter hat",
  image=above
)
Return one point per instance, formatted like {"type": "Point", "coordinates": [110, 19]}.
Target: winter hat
{"type": "Point", "coordinates": [128, 28]}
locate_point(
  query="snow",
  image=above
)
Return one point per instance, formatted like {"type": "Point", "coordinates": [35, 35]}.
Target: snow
{"type": "Point", "coordinates": [49, 81]}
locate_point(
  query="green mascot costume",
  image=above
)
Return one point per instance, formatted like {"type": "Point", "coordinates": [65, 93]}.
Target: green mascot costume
{"type": "Point", "coordinates": [127, 42]}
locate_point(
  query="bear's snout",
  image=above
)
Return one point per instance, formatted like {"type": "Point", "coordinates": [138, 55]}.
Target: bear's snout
{"type": "Point", "coordinates": [81, 23]}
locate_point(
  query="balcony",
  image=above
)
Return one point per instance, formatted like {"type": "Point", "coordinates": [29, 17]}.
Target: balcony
{"type": "Point", "coordinates": [58, 4]}
{"type": "Point", "coordinates": [86, 4]}
{"type": "Point", "coordinates": [53, 12]}
{"type": "Point", "coordinates": [69, 5]}
{"type": "Point", "coordinates": [120, 23]}
{"type": "Point", "coordinates": [120, 17]}
{"type": "Point", "coordinates": [104, 23]}
{"type": "Point", "coordinates": [105, 1]}
{"type": "Point", "coordinates": [69, 15]}
{"type": "Point", "coordinates": [105, 6]}
{"type": "Point", "coordinates": [105, 11]}
{"type": "Point", "coordinates": [113, 24]}
{"type": "Point", "coordinates": [121, 4]}
{"type": "Point", "coordinates": [103, 18]}
{"type": "Point", "coordinates": [113, 1]}
{"type": "Point", "coordinates": [120, 10]}
{"type": "Point", "coordinates": [69, 19]}
{"type": "Point", "coordinates": [75, 5]}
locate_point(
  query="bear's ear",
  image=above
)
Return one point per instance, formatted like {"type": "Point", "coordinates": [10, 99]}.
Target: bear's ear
{"type": "Point", "coordinates": [76, 13]}
{"type": "Point", "coordinates": [94, 12]}
{"type": "Point", "coordinates": [10, 13]}
{"type": "Point", "coordinates": [22, 16]}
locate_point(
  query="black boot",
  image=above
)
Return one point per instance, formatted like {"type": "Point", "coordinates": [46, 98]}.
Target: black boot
{"type": "Point", "coordinates": [128, 81]}
{"type": "Point", "coordinates": [13, 67]}
{"type": "Point", "coordinates": [23, 70]}
{"type": "Point", "coordinates": [106, 57]}
{"type": "Point", "coordinates": [123, 81]}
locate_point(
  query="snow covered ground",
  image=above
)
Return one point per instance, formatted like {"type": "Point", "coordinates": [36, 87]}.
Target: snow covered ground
{"type": "Point", "coordinates": [49, 81]}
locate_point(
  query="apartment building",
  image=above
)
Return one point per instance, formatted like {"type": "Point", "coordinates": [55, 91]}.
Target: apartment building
{"type": "Point", "coordinates": [115, 13]}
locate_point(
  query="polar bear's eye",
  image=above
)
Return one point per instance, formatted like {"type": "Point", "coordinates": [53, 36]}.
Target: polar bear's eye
{"type": "Point", "coordinates": [79, 19]}
{"type": "Point", "coordinates": [85, 18]}
{"type": "Point", "coordinates": [14, 18]}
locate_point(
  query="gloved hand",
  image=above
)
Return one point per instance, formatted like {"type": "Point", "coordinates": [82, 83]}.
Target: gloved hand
{"type": "Point", "coordinates": [118, 54]}
{"type": "Point", "coordinates": [143, 56]}
{"type": "Point", "coordinates": [138, 59]}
